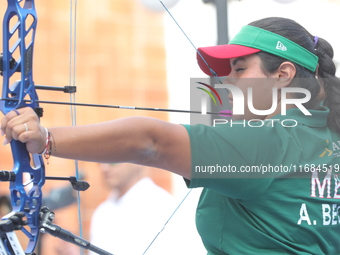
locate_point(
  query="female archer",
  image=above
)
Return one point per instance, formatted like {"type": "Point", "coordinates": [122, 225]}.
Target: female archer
{"type": "Point", "coordinates": [281, 196]}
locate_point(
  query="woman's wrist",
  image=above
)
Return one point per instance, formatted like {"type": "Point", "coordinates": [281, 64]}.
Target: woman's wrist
{"type": "Point", "coordinates": [47, 152]}
{"type": "Point", "coordinates": [47, 142]}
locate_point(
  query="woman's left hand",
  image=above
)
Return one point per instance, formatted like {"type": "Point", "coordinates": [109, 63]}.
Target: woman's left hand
{"type": "Point", "coordinates": [23, 125]}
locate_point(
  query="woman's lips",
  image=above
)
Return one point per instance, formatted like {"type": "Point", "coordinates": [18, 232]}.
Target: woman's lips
{"type": "Point", "coordinates": [227, 113]}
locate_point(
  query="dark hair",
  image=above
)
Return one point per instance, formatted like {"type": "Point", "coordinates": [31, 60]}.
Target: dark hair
{"type": "Point", "coordinates": [325, 74]}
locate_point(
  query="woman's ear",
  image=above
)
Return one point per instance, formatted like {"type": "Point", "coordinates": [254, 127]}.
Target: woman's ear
{"type": "Point", "coordinates": [285, 73]}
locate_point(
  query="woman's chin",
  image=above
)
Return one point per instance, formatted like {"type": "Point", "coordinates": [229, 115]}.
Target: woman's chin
{"type": "Point", "coordinates": [238, 117]}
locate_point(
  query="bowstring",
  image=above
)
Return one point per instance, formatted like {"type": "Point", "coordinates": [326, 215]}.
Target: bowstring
{"type": "Point", "coordinates": [214, 74]}
{"type": "Point", "coordinates": [72, 82]}
{"type": "Point", "coordinates": [165, 224]}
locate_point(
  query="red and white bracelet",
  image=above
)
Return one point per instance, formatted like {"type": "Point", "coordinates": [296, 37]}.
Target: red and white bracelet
{"type": "Point", "coordinates": [48, 146]}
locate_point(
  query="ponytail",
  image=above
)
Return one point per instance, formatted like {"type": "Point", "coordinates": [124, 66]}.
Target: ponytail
{"type": "Point", "coordinates": [331, 84]}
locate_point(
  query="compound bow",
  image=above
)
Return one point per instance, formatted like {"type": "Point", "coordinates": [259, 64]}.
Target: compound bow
{"type": "Point", "coordinates": [28, 174]}
{"type": "Point", "coordinates": [27, 178]}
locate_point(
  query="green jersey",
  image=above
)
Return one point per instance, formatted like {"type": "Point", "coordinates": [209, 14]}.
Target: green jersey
{"type": "Point", "coordinates": [269, 189]}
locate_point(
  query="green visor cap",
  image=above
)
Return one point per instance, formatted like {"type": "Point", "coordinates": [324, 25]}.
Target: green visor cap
{"type": "Point", "coordinates": [275, 44]}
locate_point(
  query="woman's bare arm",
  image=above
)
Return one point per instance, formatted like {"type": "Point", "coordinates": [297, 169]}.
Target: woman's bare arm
{"type": "Point", "coordinates": [139, 140]}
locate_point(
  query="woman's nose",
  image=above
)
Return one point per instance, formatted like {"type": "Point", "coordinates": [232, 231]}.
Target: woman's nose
{"type": "Point", "coordinates": [229, 80]}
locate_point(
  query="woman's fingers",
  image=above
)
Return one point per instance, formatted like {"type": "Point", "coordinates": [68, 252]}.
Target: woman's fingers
{"type": "Point", "coordinates": [9, 125]}
{"type": "Point", "coordinates": [23, 125]}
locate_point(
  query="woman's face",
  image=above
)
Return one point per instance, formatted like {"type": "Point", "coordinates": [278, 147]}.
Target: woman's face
{"type": "Point", "coordinates": [246, 72]}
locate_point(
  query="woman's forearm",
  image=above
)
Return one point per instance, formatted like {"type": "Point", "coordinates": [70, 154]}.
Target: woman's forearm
{"type": "Point", "coordinates": [138, 140]}
{"type": "Point", "coordinates": [111, 141]}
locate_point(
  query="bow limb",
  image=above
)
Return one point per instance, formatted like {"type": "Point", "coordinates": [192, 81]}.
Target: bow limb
{"type": "Point", "coordinates": [28, 173]}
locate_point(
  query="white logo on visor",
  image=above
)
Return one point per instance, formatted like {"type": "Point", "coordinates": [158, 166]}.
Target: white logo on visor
{"type": "Point", "coordinates": [280, 46]}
